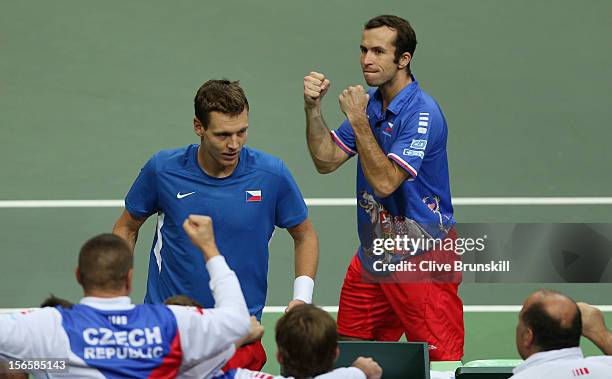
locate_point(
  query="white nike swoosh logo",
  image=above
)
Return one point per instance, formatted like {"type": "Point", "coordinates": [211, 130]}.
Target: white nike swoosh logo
{"type": "Point", "coordinates": [182, 195]}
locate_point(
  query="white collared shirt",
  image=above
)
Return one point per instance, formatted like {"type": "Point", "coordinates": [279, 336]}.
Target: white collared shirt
{"type": "Point", "coordinates": [564, 363]}
{"type": "Point", "coordinates": [108, 303]}
{"type": "Point", "coordinates": [339, 373]}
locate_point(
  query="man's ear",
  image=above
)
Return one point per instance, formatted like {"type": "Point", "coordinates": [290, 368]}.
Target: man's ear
{"type": "Point", "coordinates": [337, 353]}
{"type": "Point", "coordinates": [404, 60]}
{"type": "Point", "coordinates": [77, 274]}
{"type": "Point", "coordinates": [198, 128]}
{"type": "Point", "coordinates": [528, 338]}
{"type": "Point", "coordinates": [129, 280]}
{"type": "Point", "coordinates": [279, 358]}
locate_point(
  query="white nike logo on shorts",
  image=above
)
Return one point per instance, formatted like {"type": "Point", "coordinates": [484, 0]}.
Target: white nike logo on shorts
{"type": "Point", "coordinates": [182, 195]}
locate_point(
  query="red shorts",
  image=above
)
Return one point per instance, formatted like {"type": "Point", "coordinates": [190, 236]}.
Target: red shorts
{"type": "Point", "coordinates": [429, 312]}
{"type": "Point", "coordinates": [251, 356]}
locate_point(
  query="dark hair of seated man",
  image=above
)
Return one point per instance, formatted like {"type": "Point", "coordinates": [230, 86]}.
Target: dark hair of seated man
{"type": "Point", "coordinates": [54, 301]}
{"type": "Point", "coordinates": [307, 341]}
{"type": "Point", "coordinates": [182, 300]}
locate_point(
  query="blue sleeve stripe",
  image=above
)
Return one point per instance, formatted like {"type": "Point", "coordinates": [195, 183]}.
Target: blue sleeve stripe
{"type": "Point", "coordinates": [295, 221]}
{"type": "Point", "coordinates": [136, 212]}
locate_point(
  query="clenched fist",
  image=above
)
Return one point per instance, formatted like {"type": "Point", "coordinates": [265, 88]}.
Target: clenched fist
{"type": "Point", "coordinates": [315, 87]}
{"type": "Point", "coordinates": [257, 331]}
{"type": "Point", "coordinates": [200, 231]}
{"type": "Point", "coordinates": [369, 367]}
{"type": "Point", "coordinates": [353, 101]}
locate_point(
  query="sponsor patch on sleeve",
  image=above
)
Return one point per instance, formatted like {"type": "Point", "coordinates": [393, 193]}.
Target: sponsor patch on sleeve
{"type": "Point", "coordinates": [414, 153]}
{"type": "Point", "coordinates": [418, 144]}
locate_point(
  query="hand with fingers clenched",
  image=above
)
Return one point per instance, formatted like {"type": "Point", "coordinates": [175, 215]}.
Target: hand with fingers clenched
{"type": "Point", "coordinates": [315, 87]}
{"type": "Point", "coordinates": [200, 231]}
{"type": "Point", "coordinates": [353, 101]}
{"type": "Point", "coordinates": [370, 367]}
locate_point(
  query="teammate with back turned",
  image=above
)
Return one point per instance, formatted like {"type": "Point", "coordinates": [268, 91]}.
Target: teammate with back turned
{"type": "Point", "coordinates": [399, 134]}
{"type": "Point", "coordinates": [105, 335]}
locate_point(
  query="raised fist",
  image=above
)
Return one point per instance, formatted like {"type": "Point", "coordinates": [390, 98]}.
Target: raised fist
{"type": "Point", "coordinates": [353, 100]}
{"type": "Point", "coordinates": [315, 87]}
{"type": "Point", "coordinates": [369, 367]}
{"type": "Point", "coordinates": [200, 231]}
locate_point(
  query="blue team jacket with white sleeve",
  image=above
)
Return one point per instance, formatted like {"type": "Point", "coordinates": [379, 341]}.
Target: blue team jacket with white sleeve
{"type": "Point", "coordinates": [113, 338]}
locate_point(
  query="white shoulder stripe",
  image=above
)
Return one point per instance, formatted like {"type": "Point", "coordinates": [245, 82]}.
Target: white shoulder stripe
{"type": "Point", "coordinates": [403, 163]}
{"type": "Point", "coordinates": [339, 141]}
{"type": "Point", "coordinates": [159, 242]}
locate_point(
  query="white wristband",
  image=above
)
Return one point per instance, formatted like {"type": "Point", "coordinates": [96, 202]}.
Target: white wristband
{"type": "Point", "coordinates": [302, 288]}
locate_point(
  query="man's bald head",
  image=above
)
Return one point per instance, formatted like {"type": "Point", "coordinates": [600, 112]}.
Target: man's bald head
{"type": "Point", "coordinates": [548, 321]}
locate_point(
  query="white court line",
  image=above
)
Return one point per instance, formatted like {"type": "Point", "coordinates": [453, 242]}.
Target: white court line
{"type": "Point", "coordinates": [466, 308]}
{"type": "Point", "coordinates": [532, 201]}
{"type": "Point", "coordinates": [61, 204]}
{"type": "Point", "coordinates": [334, 309]}
{"type": "Point", "coordinates": [333, 202]}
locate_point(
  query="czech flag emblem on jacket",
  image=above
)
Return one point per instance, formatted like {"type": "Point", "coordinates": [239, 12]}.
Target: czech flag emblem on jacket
{"type": "Point", "coordinates": [252, 196]}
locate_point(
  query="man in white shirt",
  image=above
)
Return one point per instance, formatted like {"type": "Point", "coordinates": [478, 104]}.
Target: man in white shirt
{"type": "Point", "coordinates": [105, 335]}
{"type": "Point", "coordinates": [307, 342]}
{"type": "Point", "coordinates": [548, 338]}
